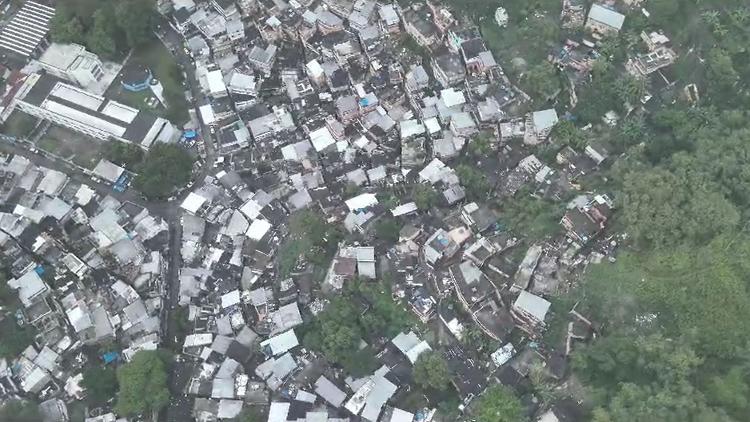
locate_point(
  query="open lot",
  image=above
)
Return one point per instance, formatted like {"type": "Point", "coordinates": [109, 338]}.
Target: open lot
{"type": "Point", "coordinates": [19, 124]}
{"type": "Point", "coordinates": [81, 149]}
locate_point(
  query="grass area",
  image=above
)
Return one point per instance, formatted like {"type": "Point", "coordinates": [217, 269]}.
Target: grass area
{"type": "Point", "coordinates": [164, 68]}
{"type": "Point", "coordinates": [19, 124]}
{"type": "Point", "coordinates": [82, 150]}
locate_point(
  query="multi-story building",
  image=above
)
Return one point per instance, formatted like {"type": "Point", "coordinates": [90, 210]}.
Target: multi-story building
{"type": "Point", "coordinates": [73, 63]}
{"type": "Point", "coordinates": [421, 28]}
{"type": "Point", "coordinates": [262, 58]}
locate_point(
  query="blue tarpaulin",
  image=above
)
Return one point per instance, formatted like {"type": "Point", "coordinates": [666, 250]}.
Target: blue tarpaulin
{"type": "Point", "coordinates": [39, 270]}
{"type": "Point", "coordinates": [110, 357]}
{"type": "Point", "coordinates": [190, 134]}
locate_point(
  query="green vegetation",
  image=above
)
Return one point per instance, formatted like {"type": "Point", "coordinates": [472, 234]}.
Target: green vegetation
{"type": "Point", "coordinates": [129, 156]}
{"type": "Point", "coordinates": [14, 339]}
{"type": "Point", "coordinates": [481, 145]}
{"type": "Point", "coordinates": [477, 341]}
{"type": "Point", "coordinates": [80, 149]}
{"type": "Point", "coordinates": [20, 411]}
{"type": "Point", "coordinates": [474, 182]}
{"type": "Point", "coordinates": [100, 383]}
{"type": "Point", "coordinates": [532, 217]}
{"type": "Point", "coordinates": [541, 81]}
{"type": "Point", "coordinates": [251, 414]}
{"type": "Point", "coordinates": [566, 133]}
{"type": "Point", "coordinates": [143, 384]}
{"type": "Point", "coordinates": [167, 167]}
{"type": "Point", "coordinates": [181, 326]}
{"type": "Point", "coordinates": [339, 329]}
{"type": "Point", "coordinates": [498, 404]}
{"type": "Point", "coordinates": [157, 58]}
{"type": "Point", "coordinates": [431, 371]}
{"type": "Point", "coordinates": [107, 28]}
{"type": "Point", "coordinates": [424, 196]}
{"type": "Point", "coordinates": [19, 124]}
{"type": "Point", "coordinates": [311, 239]}
{"type": "Point", "coordinates": [387, 229]}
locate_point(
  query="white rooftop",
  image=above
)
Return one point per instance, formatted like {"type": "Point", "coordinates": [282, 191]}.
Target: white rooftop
{"type": "Point", "coordinates": [281, 343]}
{"type": "Point", "coordinates": [321, 138]}
{"type": "Point", "coordinates": [362, 201]}
{"type": "Point", "coordinates": [258, 229]}
{"type": "Point", "coordinates": [108, 171]}
{"type": "Point", "coordinates": [533, 305]}
{"type": "Point", "coordinates": [193, 202]}
{"type": "Point", "coordinates": [606, 16]}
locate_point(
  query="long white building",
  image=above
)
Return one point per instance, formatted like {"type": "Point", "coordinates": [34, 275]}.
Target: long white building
{"type": "Point", "coordinates": [49, 98]}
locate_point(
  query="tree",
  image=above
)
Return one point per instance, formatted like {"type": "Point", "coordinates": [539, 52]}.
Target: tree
{"type": "Point", "coordinates": [20, 411]}
{"type": "Point", "coordinates": [66, 30]}
{"type": "Point", "coordinates": [474, 339]}
{"type": "Point", "coordinates": [166, 167]}
{"type": "Point", "coordinates": [101, 37]}
{"type": "Point", "coordinates": [387, 229]}
{"type": "Point", "coordinates": [662, 208]}
{"type": "Point", "coordinates": [336, 332]}
{"type": "Point", "coordinates": [730, 390]}
{"type": "Point", "coordinates": [431, 371]}
{"type": "Point", "coordinates": [100, 383]}
{"type": "Point", "coordinates": [136, 18]}
{"type": "Point", "coordinates": [499, 404]}
{"type": "Point", "coordinates": [474, 181]}
{"type": "Point", "coordinates": [630, 89]}
{"type": "Point", "coordinates": [671, 403]}
{"type": "Point", "coordinates": [566, 133]}
{"type": "Point", "coordinates": [126, 155]}
{"type": "Point", "coordinates": [311, 238]}
{"type": "Point", "coordinates": [14, 339]}
{"type": "Point", "coordinates": [424, 196]}
{"type": "Point", "coordinates": [541, 81]}
{"type": "Point", "coordinates": [480, 145]}
{"type": "Point", "coordinates": [143, 384]}
{"type": "Point", "coordinates": [721, 72]}
{"type": "Point", "coordinates": [663, 10]}
{"type": "Point", "coordinates": [693, 291]}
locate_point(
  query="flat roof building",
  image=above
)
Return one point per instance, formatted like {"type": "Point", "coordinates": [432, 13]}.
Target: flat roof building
{"type": "Point", "coordinates": [73, 63]}
{"type": "Point", "coordinates": [47, 97]}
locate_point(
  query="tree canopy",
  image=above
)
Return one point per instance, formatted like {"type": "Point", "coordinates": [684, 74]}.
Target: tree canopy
{"type": "Point", "coordinates": [106, 27]}
{"type": "Point", "coordinates": [166, 168]}
{"type": "Point", "coordinates": [129, 156]}
{"type": "Point", "coordinates": [431, 371]}
{"type": "Point", "coordinates": [498, 404]}
{"type": "Point", "coordinates": [311, 238]}
{"type": "Point", "coordinates": [474, 182]}
{"type": "Point", "coordinates": [143, 384]}
{"type": "Point", "coordinates": [364, 311]}
{"type": "Point", "coordinates": [100, 383]}
{"type": "Point", "coordinates": [387, 229]}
